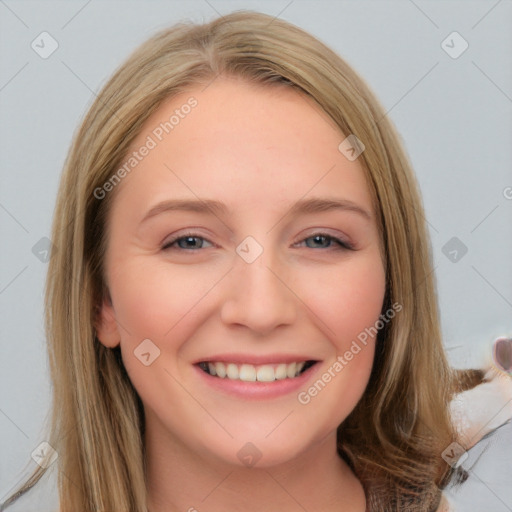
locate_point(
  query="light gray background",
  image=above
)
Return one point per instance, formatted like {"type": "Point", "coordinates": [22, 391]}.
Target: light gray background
{"type": "Point", "coordinates": [454, 116]}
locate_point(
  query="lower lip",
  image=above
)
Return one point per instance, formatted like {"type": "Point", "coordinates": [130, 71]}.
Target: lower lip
{"type": "Point", "coordinates": [258, 390]}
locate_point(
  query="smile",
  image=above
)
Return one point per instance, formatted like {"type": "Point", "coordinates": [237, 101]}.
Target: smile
{"type": "Point", "coordinates": [255, 373]}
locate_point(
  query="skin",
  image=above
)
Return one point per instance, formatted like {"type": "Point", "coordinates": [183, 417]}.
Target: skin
{"type": "Point", "coordinates": [258, 150]}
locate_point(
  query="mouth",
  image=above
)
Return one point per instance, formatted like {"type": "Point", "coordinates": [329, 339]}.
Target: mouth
{"type": "Point", "coordinates": [256, 373]}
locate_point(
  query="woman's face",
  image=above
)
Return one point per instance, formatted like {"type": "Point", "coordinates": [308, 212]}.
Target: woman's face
{"type": "Point", "coordinates": [242, 241]}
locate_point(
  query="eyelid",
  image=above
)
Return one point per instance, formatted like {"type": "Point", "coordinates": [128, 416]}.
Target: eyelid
{"type": "Point", "coordinates": [342, 241]}
{"type": "Point", "coordinates": [339, 244]}
{"type": "Point", "coordinates": [167, 243]}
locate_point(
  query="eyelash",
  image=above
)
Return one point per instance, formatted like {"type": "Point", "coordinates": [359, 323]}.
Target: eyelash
{"type": "Point", "coordinates": [342, 245]}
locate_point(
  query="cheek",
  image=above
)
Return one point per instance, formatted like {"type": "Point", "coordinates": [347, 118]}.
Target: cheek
{"type": "Point", "coordinates": [348, 305]}
{"type": "Point", "coordinates": [154, 302]}
{"type": "Point", "coordinates": [349, 299]}
{"type": "Point", "coordinates": [157, 303]}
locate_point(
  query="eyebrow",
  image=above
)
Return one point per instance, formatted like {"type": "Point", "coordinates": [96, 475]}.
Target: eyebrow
{"type": "Point", "coordinates": [317, 205]}
{"type": "Point", "coordinates": [303, 206]}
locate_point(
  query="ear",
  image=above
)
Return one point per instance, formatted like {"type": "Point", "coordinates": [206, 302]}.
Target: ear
{"type": "Point", "coordinates": [107, 330]}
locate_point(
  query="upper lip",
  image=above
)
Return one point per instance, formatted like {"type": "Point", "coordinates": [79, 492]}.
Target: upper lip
{"type": "Point", "coordinates": [256, 359]}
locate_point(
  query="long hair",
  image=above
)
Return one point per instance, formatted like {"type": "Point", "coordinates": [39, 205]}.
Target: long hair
{"type": "Point", "coordinates": [395, 436]}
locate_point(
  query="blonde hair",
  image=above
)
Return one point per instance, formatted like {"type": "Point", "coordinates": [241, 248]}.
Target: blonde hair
{"type": "Point", "coordinates": [394, 437]}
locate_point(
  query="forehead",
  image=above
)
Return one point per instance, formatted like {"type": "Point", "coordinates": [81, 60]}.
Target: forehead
{"type": "Point", "coordinates": [248, 145]}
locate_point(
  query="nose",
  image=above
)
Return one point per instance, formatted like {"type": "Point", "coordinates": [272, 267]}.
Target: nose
{"type": "Point", "coordinates": [257, 296]}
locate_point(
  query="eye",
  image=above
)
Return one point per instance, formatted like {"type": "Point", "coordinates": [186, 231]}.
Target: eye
{"type": "Point", "coordinates": [193, 242]}
{"type": "Point", "coordinates": [324, 241]}
{"type": "Point", "coordinates": [189, 241]}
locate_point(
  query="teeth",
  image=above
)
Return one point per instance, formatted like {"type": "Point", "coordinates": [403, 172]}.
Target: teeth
{"type": "Point", "coordinates": [248, 373]}
{"type": "Point", "coordinates": [220, 370]}
{"type": "Point", "coordinates": [232, 371]}
{"type": "Point", "coordinates": [251, 373]}
{"type": "Point", "coordinates": [280, 372]}
{"type": "Point", "coordinates": [266, 373]}
{"type": "Point", "coordinates": [291, 370]}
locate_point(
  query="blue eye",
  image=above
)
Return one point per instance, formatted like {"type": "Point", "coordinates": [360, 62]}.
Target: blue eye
{"type": "Point", "coordinates": [190, 242]}
{"type": "Point", "coordinates": [321, 241]}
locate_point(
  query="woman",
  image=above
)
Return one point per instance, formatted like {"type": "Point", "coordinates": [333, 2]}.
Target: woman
{"type": "Point", "coordinates": [242, 313]}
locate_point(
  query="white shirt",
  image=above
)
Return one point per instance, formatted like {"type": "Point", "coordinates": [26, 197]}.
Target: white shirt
{"type": "Point", "coordinates": [483, 416]}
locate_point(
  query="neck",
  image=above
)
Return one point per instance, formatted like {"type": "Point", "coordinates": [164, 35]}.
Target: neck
{"type": "Point", "coordinates": [180, 480]}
